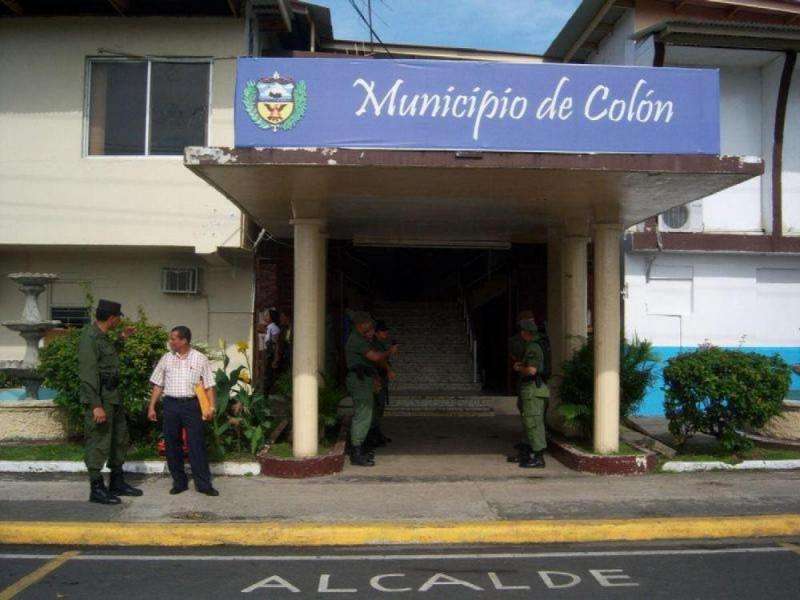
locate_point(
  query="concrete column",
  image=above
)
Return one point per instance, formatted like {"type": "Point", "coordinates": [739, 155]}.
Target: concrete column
{"type": "Point", "coordinates": [575, 290]}
{"type": "Point", "coordinates": [555, 323]}
{"type": "Point", "coordinates": [606, 337]}
{"type": "Point", "coordinates": [322, 279]}
{"type": "Point", "coordinates": [305, 335]}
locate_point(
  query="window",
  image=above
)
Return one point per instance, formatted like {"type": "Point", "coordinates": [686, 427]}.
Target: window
{"type": "Point", "coordinates": [147, 107]}
{"type": "Point", "coordinates": [179, 280]}
{"type": "Point", "coordinates": [70, 316]}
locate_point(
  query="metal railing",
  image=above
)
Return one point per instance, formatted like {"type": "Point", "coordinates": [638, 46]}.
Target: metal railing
{"type": "Point", "coordinates": [472, 338]}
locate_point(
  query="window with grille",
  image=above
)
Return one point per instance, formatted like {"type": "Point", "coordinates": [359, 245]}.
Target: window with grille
{"type": "Point", "coordinates": [179, 280]}
{"type": "Point", "coordinates": [71, 316]}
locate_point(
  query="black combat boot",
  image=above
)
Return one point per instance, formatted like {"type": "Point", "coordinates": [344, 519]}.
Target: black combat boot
{"type": "Point", "coordinates": [360, 458]}
{"type": "Point", "coordinates": [533, 460]}
{"type": "Point", "coordinates": [100, 494]}
{"type": "Point", "coordinates": [523, 451]}
{"type": "Point", "coordinates": [119, 487]}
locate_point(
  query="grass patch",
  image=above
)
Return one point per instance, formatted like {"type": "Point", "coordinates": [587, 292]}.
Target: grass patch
{"type": "Point", "coordinates": [712, 454]}
{"type": "Point", "coordinates": [65, 451]}
{"type": "Point", "coordinates": [624, 449]}
{"type": "Point", "coordinates": [284, 449]}
{"type": "Point", "coordinates": [74, 452]}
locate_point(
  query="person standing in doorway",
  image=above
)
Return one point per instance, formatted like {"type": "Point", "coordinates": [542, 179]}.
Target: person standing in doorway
{"type": "Point", "coordinates": [516, 351]}
{"type": "Point", "coordinates": [533, 395]}
{"type": "Point", "coordinates": [105, 421]}
{"type": "Point", "coordinates": [176, 376]}
{"type": "Point", "coordinates": [362, 379]}
{"type": "Point", "coordinates": [269, 343]}
{"type": "Point", "coordinates": [381, 343]}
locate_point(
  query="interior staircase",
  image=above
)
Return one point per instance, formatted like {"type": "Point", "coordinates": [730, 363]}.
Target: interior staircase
{"type": "Point", "coordinates": [434, 366]}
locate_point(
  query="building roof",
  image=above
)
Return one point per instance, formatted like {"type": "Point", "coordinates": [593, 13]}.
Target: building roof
{"type": "Point", "coordinates": [127, 8]}
{"type": "Point", "coordinates": [594, 19]}
{"type": "Point", "coordinates": [725, 34]}
{"type": "Point", "coordinates": [417, 51]}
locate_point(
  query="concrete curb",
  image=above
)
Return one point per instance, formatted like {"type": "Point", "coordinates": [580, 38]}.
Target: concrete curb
{"type": "Point", "coordinates": [144, 467]}
{"type": "Point", "coordinates": [388, 533]}
{"type": "Point", "coordinates": [675, 466]}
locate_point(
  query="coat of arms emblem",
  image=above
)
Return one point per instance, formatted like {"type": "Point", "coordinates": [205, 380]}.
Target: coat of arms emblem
{"type": "Point", "coordinates": [275, 102]}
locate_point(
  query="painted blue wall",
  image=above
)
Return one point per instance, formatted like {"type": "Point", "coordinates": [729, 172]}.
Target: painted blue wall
{"type": "Point", "coordinates": [653, 404]}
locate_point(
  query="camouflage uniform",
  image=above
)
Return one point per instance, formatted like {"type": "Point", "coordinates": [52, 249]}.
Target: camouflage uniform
{"type": "Point", "coordinates": [98, 363]}
{"type": "Point", "coordinates": [533, 397]}
{"type": "Point", "coordinates": [360, 385]}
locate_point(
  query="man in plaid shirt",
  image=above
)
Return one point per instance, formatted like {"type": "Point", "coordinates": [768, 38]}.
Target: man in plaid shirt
{"type": "Point", "coordinates": [175, 376]}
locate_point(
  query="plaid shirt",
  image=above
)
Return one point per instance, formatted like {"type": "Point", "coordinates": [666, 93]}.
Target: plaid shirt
{"type": "Point", "coordinates": [178, 375]}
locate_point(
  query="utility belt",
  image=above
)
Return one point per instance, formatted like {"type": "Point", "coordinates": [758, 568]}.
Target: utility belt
{"type": "Point", "coordinates": [109, 381]}
{"type": "Point", "coordinates": [362, 371]}
{"type": "Point", "coordinates": [537, 380]}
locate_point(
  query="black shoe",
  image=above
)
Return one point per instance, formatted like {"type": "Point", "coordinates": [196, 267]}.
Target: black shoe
{"type": "Point", "coordinates": [360, 458]}
{"type": "Point", "coordinates": [119, 487]}
{"type": "Point", "coordinates": [523, 453]}
{"type": "Point", "coordinates": [533, 461]}
{"type": "Point", "coordinates": [178, 489]}
{"type": "Point", "coordinates": [100, 494]}
{"type": "Point", "coordinates": [209, 491]}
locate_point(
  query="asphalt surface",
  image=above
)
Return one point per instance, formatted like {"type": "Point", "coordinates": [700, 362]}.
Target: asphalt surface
{"type": "Point", "coordinates": [740, 569]}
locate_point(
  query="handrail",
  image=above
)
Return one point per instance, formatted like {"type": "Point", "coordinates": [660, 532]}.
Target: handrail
{"type": "Point", "coordinates": [472, 338]}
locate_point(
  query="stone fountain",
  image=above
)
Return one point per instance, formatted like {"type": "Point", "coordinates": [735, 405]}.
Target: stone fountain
{"type": "Point", "coordinates": [29, 418]}
{"type": "Point", "coordinates": [32, 328]}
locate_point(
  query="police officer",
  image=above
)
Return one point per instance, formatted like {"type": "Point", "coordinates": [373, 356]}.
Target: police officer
{"type": "Point", "coordinates": [105, 423]}
{"type": "Point", "coordinates": [381, 343]}
{"type": "Point", "coordinates": [362, 381]}
{"type": "Point", "coordinates": [533, 395]}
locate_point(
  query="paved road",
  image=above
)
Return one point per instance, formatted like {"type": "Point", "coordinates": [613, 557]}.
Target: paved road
{"type": "Point", "coordinates": [741, 569]}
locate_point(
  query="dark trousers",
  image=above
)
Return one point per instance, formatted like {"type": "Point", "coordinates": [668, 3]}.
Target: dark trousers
{"type": "Point", "coordinates": [180, 413]}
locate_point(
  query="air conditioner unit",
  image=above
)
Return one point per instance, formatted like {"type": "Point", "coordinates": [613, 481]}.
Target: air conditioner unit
{"type": "Point", "coordinates": [180, 280]}
{"type": "Point", "coordinates": [686, 218]}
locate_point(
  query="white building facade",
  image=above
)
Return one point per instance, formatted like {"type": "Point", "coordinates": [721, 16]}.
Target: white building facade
{"type": "Point", "coordinates": [724, 270]}
{"type": "Point", "coordinates": [94, 115]}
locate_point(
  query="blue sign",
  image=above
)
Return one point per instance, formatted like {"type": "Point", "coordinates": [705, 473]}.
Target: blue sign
{"type": "Point", "coordinates": [467, 105]}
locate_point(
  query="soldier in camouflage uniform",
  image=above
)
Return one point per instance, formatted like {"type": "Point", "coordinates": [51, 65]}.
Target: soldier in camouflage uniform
{"type": "Point", "coordinates": [362, 381]}
{"type": "Point", "coordinates": [381, 343]}
{"type": "Point", "coordinates": [533, 395]}
{"type": "Point", "coordinates": [105, 424]}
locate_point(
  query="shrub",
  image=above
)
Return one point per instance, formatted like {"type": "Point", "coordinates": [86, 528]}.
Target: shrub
{"type": "Point", "coordinates": [138, 355]}
{"type": "Point", "coordinates": [722, 392]}
{"type": "Point", "coordinates": [576, 392]}
{"type": "Point", "coordinates": [329, 398]}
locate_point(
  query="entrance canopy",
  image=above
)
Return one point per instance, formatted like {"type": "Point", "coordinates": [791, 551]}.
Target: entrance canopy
{"type": "Point", "coordinates": [467, 196]}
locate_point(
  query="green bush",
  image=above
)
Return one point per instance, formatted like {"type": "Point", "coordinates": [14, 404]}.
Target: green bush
{"type": "Point", "coordinates": [138, 355]}
{"type": "Point", "coordinates": [722, 392]}
{"type": "Point", "coordinates": [576, 391]}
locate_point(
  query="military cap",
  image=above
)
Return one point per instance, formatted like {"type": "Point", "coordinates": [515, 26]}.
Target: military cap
{"type": "Point", "coordinates": [360, 316]}
{"type": "Point", "coordinates": [110, 307]}
{"type": "Point", "coordinates": [528, 325]}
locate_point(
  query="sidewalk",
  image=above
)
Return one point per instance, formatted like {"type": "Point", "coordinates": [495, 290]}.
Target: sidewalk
{"type": "Point", "coordinates": [429, 477]}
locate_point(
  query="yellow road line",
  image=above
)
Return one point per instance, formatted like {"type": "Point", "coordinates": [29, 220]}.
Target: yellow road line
{"type": "Point", "coordinates": [37, 575]}
{"type": "Point", "coordinates": [354, 534]}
